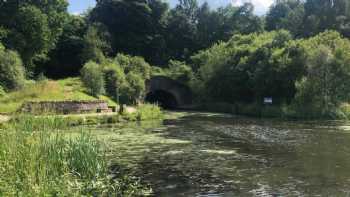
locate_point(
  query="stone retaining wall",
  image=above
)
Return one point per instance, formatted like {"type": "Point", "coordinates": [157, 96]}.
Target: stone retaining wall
{"type": "Point", "coordinates": [65, 107]}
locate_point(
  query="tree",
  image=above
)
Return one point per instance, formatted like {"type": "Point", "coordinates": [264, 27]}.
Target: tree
{"type": "Point", "coordinates": [135, 26]}
{"type": "Point", "coordinates": [134, 64]}
{"type": "Point", "coordinates": [93, 78]}
{"type": "Point", "coordinates": [95, 44]}
{"type": "Point", "coordinates": [33, 27]}
{"type": "Point", "coordinates": [135, 89]}
{"type": "Point", "coordinates": [115, 80]}
{"type": "Point", "coordinates": [321, 15]}
{"type": "Point", "coordinates": [250, 67]}
{"type": "Point", "coordinates": [12, 74]}
{"type": "Point", "coordinates": [286, 14]}
{"type": "Point", "coordinates": [66, 59]}
{"type": "Point", "coordinates": [327, 82]}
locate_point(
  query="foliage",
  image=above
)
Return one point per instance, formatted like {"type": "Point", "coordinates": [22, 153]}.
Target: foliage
{"type": "Point", "coordinates": [248, 68]}
{"type": "Point", "coordinates": [310, 17]}
{"type": "Point", "coordinates": [65, 60]}
{"type": "Point", "coordinates": [115, 79]}
{"type": "Point", "coordinates": [325, 87]}
{"type": "Point", "coordinates": [152, 30]}
{"type": "Point", "coordinates": [36, 159]}
{"type": "Point", "coordinates": [180, 71]}
{"type": "Point", "coordinates": [2, 92]}
{"type": "Point", "coordinates": [136, 71]}
{"type": "Point", "coordinates": [134, 64]}
{"type": "Point", "coordinates": [93, 78]}
{"type": "Point", "coordinates": [286, 14]}
{"type": "Point", "coordinates": [145, 112]}
{"type": "Point", "coordinates": [95, 45]}
{"type": "Point", "coordinates": [11, 69]}
{"type": "Point", "coordinates": [33, 27]}
{"type": "Point", "coordinates": [134, 90]}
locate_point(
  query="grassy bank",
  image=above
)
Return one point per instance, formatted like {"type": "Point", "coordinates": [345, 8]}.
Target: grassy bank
{"type": "Point", "coordinates": [47, 90]}
{"type": "Point", "coordinates": [276, 111]}
{"type": "Point", "coordinates": [38, 158]}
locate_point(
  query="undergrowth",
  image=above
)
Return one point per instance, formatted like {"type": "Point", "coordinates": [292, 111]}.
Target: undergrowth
{"type": "Point", "coordinates": [37, 158]}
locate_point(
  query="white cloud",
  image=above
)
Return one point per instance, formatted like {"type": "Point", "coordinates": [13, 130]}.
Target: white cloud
{"type": "Point", "coordinates": [261, 6]}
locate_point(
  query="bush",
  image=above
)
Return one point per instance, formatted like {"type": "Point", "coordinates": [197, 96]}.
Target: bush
{"type": "Point", "coordinates": [327, 82]}
{"type": "Point", "coordinates": [248, 68]}
{"type": "Point", "coordinates": [12, 74]}
{"type": "Point", "coordinates": [179, 71]}
{"type": "Point", "coordinates": [115, 80]}
{"type": "Point", "coordinates": [2, 92]}
{"type": "Point", "coordinates": [144, 112]}
{"type": "Point", "coordinates": [93, 78]}
{"type": "Point", "coordinates": [134, 64]}
{"type": "Point", "coordinates": [134, 90]}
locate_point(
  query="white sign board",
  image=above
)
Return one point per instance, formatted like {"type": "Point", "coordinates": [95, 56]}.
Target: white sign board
{"type": "Point", "coordinates": [268, 100]}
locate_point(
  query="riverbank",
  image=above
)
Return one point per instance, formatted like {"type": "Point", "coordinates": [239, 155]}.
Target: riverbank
{"type": "Point", "coordinates": [275, 111]}
{"type": "Point", "coordinates": [58, 154]}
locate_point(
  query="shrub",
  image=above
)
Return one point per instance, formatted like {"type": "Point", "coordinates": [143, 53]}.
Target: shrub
{"type": "Point", "coordinates": [327, 82]}
{"type": "Point", "coordinates": [134, 64]}
{"type": "Point", "coordinates": [93, 78]}
{"type": "Point", "coordinates": [180, 71]}
{"type": "Point", "coordinates": [2, 92]}
{"type": "Point", "coordinates": [134, 90]}
{"type": "Point", "coordinates": [12, 74]}
{"type": "Point", "coordinates": [115, 80]}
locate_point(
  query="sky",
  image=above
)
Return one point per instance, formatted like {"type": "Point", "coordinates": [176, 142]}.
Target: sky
{"type": "Point", "coordinates": [261, 6]}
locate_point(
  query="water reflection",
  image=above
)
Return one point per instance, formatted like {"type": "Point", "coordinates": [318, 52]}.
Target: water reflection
{"type": "Point", "coordinates": [205, 155]}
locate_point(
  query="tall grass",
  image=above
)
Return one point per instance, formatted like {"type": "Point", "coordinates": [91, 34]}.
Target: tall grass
{"type": "Point", "coordinates": [144, 112]}
{"type": "Point", "coordinates": [47, 90]}
{"type": "Point", "coordinates": [38, 159]}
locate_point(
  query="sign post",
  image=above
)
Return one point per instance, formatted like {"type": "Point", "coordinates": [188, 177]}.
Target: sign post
{"type": "Point", "coordinates": [268, 100]}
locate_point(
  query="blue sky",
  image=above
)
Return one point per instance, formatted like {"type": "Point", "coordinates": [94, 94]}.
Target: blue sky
{"type": "Point", "coordinates": [79, 6]}
{"type": "Point", "coordinates": [261, 6]}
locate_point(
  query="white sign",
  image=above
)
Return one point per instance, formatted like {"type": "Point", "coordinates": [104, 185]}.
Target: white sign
{"type": "Point", "coordinates": [268, 100]}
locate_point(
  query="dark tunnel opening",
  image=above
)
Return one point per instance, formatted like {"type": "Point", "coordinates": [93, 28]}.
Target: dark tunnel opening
{"type": "Point", "coordinates": [164, 99]}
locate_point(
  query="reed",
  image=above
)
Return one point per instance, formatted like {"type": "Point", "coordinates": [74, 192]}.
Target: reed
{"type": "Point", "coordinates": [37, 158]}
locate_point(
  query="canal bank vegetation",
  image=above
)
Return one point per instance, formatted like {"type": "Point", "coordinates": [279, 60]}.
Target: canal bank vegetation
{"type": "Point", "coordinates": [306, 78]}
{"type": "Point", "coordinates": [39, 158]}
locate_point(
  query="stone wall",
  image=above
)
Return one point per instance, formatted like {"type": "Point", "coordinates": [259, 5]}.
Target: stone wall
{"type": "Point", "coordinates": [65, 107]}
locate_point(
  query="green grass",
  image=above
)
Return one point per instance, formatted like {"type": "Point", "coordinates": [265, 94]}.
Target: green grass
{"type": "Point", "coordinates": [39, 158]}
{"type": "Point", "coordinates": [61, 90]}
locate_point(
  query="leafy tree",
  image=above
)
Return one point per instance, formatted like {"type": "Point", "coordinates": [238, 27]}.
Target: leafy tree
{"type": "Point", "coordinates": [327, 82]}
{"type": "Point", "coordinates": [2, 92]}
{"type": "Point", "coordinates": [180, 71]}
{"type": "Point", "coordinates": [321, 15]}
{"type": "Point", "coordinates": [115, 80]}
{"type": "Point", "coordinates": [12, 73]}
{"type": "Point", "coordinates": [93, 78]}
{"type": "Point", "coordinates": [286, 14]}
{"type": "Point", "coordinates": [135, 25]}
{"type": "Point", "coordinates": [135, 89]}
{"type": "Point", "coordinates": [95, 44]}
{"type": "Point", "coordinates": [33, 27]}
{"type": "Point", "coordinates": [66, 59]}
{"type": "Point", "coordinates": [134, 64]}
{"type": "Point", "coordinates": [250, 67]}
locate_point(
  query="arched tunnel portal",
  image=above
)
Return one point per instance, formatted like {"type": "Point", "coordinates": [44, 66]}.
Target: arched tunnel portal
{"type": "Point", "coordinates": [168, 93]}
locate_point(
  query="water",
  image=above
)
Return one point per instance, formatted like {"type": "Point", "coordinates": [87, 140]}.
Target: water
{"type": "Point", "coordinates": [212, 155]}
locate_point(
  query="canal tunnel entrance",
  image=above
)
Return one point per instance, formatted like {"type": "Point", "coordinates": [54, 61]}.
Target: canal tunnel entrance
{"type": "Point", "coordinates": [163, 98]}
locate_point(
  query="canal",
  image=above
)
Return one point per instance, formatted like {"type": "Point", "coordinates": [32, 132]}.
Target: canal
{"type": "Point", "coordinates": [208, 154]}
